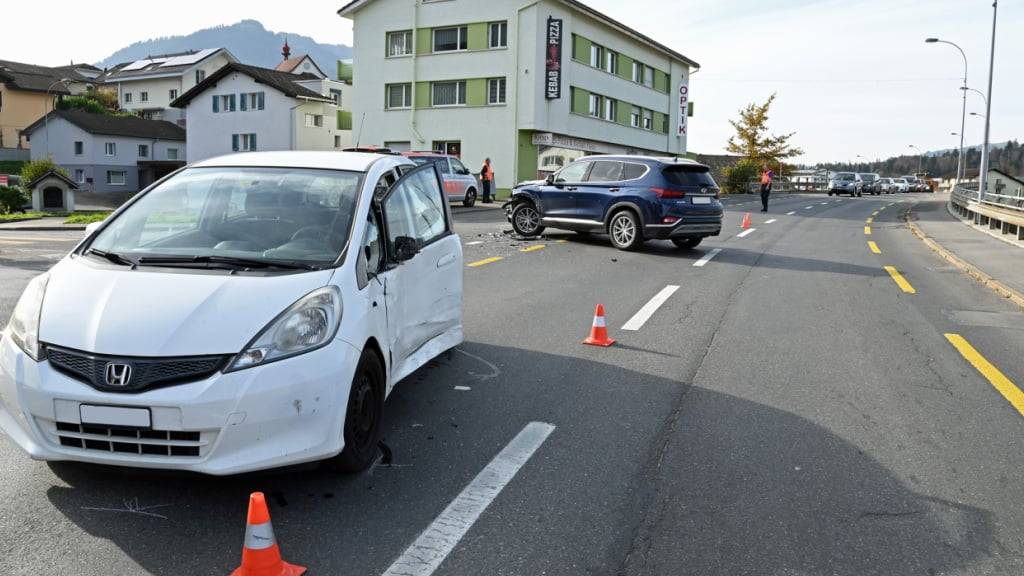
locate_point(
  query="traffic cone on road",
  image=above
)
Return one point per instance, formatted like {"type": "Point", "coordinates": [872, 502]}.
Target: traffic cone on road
{"type": "Point", "coordinates": [599, 330]}
{"type": "Point", "coordinates": [260, 554]}
{"type": "Point", "coordinates": [746, 222]}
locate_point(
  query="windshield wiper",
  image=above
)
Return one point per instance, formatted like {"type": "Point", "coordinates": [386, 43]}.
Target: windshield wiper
{"type": "Point", "coordinates": [224, 260]}
{"type": "Point", "coordinates": [114, 257]}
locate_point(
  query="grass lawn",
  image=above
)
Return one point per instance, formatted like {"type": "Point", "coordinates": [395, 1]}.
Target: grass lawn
{"type": "Point", "coordinates": [14, 217]}
{"type": "Point", "coordinates": [86, 217]}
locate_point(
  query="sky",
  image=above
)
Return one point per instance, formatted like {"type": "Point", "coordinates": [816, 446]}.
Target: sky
{"type": "Point", "coordinates": [853, 77]}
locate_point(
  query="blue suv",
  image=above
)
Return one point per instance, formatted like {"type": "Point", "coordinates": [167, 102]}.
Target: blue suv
{"type": "Point", "coordinates": [631, 198]}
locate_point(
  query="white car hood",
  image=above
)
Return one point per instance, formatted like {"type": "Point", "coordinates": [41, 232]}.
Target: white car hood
{"type": "Point", "coordinates": [161, 312]}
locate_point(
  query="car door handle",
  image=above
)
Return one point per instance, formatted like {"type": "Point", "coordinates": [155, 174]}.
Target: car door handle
{"type": "Point", "coordinates": [446, 260]}
{"type": "Point", "coordinates": [571, 188]}
{"type": "Point", "coordinates": [613, 189]}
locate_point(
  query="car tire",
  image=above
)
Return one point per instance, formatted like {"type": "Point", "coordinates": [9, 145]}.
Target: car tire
{"type": "Point", "coordinates": [830, 193]}
{"type": "Point", "coordinates": [624, 230]}
{"type": "Point", "coordinates": [364, 416]}
{"type": "Point", "coordinates": [859, 194]}
{"type": "Point", "coordinates": [470, 198]}
{"type": "Point", "coordinates": [687, 243]}
{"type": "Point", "coordinates": [526, 220]}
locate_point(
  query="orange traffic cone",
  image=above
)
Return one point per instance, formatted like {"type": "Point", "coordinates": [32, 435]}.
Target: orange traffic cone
{"type": "Point", "coordinates": [599, 330]}
{"type": "Point", "coordinates": [746, 221]}
{"type": "Point", "coordinates": [260, 555]}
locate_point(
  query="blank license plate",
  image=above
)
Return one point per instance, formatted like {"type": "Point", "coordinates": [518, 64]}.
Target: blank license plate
{"type": "Point", "coordinates": [114, 416]}
{"type": "Point", "coordinates": [701, 200]}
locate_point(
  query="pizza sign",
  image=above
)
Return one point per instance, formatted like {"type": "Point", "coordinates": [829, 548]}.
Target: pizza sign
{"type": "Point", "coordinates": [553, 67]}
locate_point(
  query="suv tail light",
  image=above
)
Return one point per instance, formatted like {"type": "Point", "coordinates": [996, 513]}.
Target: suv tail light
{"type": "Point", "coordinates": [667, 194]}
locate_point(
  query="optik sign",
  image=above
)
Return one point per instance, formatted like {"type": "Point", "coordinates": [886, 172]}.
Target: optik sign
{"type": "Point", "coordinates": [553, 86]}
{"type": "Point", "coordinates": [684, 108]}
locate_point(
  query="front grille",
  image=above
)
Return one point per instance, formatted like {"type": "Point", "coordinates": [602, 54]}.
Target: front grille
{"type": "Point", "coordinates": [146, 373]}
{"type": "Point", "coordinates": [125, 440]}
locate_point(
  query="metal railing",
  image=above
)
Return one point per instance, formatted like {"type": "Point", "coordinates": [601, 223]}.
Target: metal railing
{"type": "Point", "coordinates": [968, 193]}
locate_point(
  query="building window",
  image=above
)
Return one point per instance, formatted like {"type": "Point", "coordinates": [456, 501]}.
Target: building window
{"type": "Point", "coordinates": [638, 72]}
{"type": "Point", "coordinates": [634, 117]}
{"type": "Point", "coordinates": [337, 141]}
{"type": "Point", "coordinates": [611, 108]}
{"type": "Point", "coordinates": [224, 103]}
{"type": "Point", "coordinates": [611, 62]}
{"type": "Point", "coordinates": [110, 148]}
{"type": "Point", "coordinates": [80, 176]}
{"type": "Point", "coordinates": [648, 77]}
{"type": "Point", "coordinates": [143, 96]}
{"type": "Point", "coordinates": [398, 96]}
{"type": "Point", "coordinates": [449, 147]}
{"type": "Point", "coordinates": [172, 153]}
{"type": "Point", "coordinates": [243, 142]}
{"type": "Point", "coordinates": [117, 177]}
{"type": "Point", "coordinates": [399, 43]}
{"type": "Point", "coordinates": [127, 97]}
{"type": "Point", "coordinates": [336, 96]}
{"type": "Point", "coordinates": [172, 94]}
{"type": "Point", "coordinates": [143, 150]}
{"type": "Point", "coordinates": [450, 39]}
{"type": "Point", "coordinates": [497, 35]}
{"type": "Point", "coordinates": [496, 91]}
{"type": "Point", "coordinates": [314, 121]}
{"type": "Point", "coordinates": [200, 76]}
{"type": "Point", "coordinates": [79, 148]}
{"type": "Point", "coordinates": [648, 120]}
{"type": "Point", "coordinates": [448, 93]}
{"type": "Point", "coordinates": [596, 55]}
{"type": "Point", "coordinates": [595, 106]}
{"type": "Point", "coordinates": [251, 101]}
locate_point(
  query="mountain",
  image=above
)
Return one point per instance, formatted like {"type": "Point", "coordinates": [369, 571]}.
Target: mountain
{"type": "Point", "coordinates": [248, 40]}
{"type": "Point", "coordinates": [1008, 157]}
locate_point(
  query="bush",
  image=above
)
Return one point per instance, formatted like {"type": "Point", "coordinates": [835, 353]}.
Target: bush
{"type": "Point", "coordinates": [739, 175]}
{"type": "Point", "coordinates": [36, 168]}
{"type": "Point", "coordinates": [12, 199]}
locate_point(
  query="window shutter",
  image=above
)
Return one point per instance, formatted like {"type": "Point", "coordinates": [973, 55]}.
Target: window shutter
{"type": "Point", "coordinates": [234, 142]}
{"type": "Point", "coordinates": [232, 102]}
{"type": "Point", "coordinates": [252, 142]}
{"type": "Point", "coordinates": [242, 98]}
{"type": "Point", "coordinates": [216, 104]}
{"type": "Point", "coordinates": [260, 98]}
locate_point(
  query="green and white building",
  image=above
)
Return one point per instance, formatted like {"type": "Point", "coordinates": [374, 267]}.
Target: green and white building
{"type": "Point", "coordinates": [530, 84]}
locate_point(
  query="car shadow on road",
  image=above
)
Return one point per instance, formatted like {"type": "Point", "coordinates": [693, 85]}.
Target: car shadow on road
{"type": "Point", "coordinates": [730, 487]}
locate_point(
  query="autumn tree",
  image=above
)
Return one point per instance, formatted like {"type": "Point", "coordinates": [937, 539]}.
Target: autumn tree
{"type": "Point", "coordinates": [752, 140]}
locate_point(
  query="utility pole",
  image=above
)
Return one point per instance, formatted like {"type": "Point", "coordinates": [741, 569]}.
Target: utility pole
{"type": "Point", "coordinates": [983, 182]}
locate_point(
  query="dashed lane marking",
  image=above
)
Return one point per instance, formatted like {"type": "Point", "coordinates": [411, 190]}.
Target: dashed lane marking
{"type": "Point", "coordinates": [824, 203]}
{"type": "Point", "coordinates": [485, 262]}
{"type": "Point", "coordinates": [746, 233]}
{"type": "Point", "coordinates": [999, 381]}
{"type": "Point", "coordinates": [870, 220]}
{"type": "Point", "coordinates": [707, 258]}
{"type": "Point", "coordinates": [477, 243]}
{"type": "Point", "coordinates": [874, 247]}
{"type": "Point", "coordinates": [790, 213]}
{"type": "Point", "coordinates": [867, 230]}
{"type": "Point", "coordinates": [808, 207]}
{"type": "Point", "coordinates": [900, 280]}
{"type": "Point", "coordinates": [772, 221]}
{"type": "Point", "coordinates": [875, 213]}
{"type": "Point", "coordinates": [435, 543]}
{"type": "Point", "coordinates": [644, 314]}
{"type": "Point", "coordinates": [533, 248]}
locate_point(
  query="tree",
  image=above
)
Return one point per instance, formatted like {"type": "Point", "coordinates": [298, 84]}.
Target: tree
{"type": "Point", "coordinates": [36, 168]}
{"type": "Point", "coordinates": [96, 102]}
{"type": "Point", "coordinates": [739, 175]}
{"type": "Point", "coordinates": [752, 140]}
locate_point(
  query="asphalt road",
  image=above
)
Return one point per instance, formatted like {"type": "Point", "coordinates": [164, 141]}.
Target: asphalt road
{"type": "Point", "coordinates": [787, 410]}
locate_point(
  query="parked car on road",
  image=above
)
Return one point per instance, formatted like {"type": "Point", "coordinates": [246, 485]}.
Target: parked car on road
{"type": "Point", "coordinates": [631, 198]}
{"type": "Point", "coordinates": [845, 183]}
{"type": "Point", "coordinates": [460, 185]}
{"type": "Point", "coordinates": [872, 183]}
{"type": "Point", "coordinates": [888, 185]}
{"type": "Point", "coordinates": [251, 311]}
{"type": "Point", "coordinates": [902, 185]}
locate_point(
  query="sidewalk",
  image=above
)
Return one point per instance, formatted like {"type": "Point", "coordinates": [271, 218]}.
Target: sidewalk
{"type": "Point", "coordinates": [46, 224]}
{"type": "Point", "coordinates": [1000, 260]}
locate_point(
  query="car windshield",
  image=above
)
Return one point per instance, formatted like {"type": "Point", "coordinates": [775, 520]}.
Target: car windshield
{"type": "Point", "coordinates": [697, 176]}
{"type": "Point", "coordinates": [263, 215]}
{"type": "Point", "coordinates": [846, 176]}
{"type": "Point", "coordinates": [868, 177]}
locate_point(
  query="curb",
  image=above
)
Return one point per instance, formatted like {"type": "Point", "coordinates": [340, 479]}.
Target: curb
{"type": "Point", "coordinates": [965, 267]}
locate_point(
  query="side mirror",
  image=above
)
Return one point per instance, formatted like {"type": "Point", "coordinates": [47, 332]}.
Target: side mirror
{"type": "Point", "coordinates": [406, 248]}
{"type": "Point", "coordinates": [92, 227]}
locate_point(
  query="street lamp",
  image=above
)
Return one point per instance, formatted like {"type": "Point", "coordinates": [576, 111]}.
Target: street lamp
{"type": "Point", "coordinates": [963, 116]}
{"type": "Point", "coordinates": [983, 184]}
{"type": "Point", "coordinates": [978, 115]}
{"type": "Point", "coordinates": [46, 113]}
{"type": "Point", "coordinates": [978, 92]}
{"type": "Point", "coordinates": [920, 157]}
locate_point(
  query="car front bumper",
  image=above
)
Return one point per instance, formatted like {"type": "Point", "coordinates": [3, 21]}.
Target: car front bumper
{"type": "Point", "coordinates": [279, 414]}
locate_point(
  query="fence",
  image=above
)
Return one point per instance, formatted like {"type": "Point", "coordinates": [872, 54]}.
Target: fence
{"type": "Point", "coordinates": [1001, 213]}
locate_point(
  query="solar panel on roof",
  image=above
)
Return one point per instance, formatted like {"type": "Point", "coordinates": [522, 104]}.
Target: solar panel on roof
{"type": "Point", "coordinates": [137, 65]}
{"type": "Point", "coordinates": [188, 58]}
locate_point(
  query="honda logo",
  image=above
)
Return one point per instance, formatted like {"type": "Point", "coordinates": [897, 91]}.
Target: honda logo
{"type": "Point", "coordinates": [118, 374]}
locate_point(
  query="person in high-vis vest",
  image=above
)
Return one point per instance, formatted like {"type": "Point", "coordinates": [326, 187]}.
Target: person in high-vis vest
{"type": "Point", "coordinates": [766, 186]}
{"type": "Point", "coordinates": [487, 180]}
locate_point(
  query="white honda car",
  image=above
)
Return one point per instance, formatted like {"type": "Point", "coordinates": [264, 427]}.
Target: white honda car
{"type": "Point", "coordinates": [248, 312]}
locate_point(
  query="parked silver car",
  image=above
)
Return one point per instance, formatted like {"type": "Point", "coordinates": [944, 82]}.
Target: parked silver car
{"type": "Point", "coordinates": [460, 185]}
{"type": "Point", "coordinates": [845, 183]}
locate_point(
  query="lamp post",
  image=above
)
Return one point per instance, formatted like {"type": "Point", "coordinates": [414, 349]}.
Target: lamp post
{"type": "Point", "coordinates": [46, 113]}
{"type": "Point", "coordinates": [963, 117]}
{"type": "Point", "coordinates": [920, 157]}
{"type": "Point", "coordinates": [983, 178]}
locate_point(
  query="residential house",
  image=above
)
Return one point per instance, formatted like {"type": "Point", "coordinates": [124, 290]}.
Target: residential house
{"type": "Point", "coordinates": [109, 157]}
{"type": "Point", "coordinates": [246, 108]}
{"type": "Point", "coordinates": [27, 92]}
{"type": "Point", "coordinates": [148, 86]}
{"type": "Point", "coordinates": [301, 64]}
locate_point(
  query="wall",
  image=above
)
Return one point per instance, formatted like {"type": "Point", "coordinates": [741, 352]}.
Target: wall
{"type": "Point", "coordinates": [319, 138]}
{"type": "Point", "coordinates": [159, 96]}
{"type": "Point", "coordinates": [19, 110]}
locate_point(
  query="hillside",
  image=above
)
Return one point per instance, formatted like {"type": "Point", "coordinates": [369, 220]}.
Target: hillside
{"type": "Point", "coordinates": [1008, 157]}
{"type": "Point", "coordinates": [248, 40]}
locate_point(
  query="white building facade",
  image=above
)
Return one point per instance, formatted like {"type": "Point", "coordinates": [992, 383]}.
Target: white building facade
{"type": "Point", "coordinates": [245, 108]}
{"type": "Point", "coordinates": [531, 85]}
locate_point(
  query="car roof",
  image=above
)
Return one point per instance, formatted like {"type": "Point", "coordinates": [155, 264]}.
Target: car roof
{"type": "Point", "coordinates": [634, 158]}
{"type": "Point", "coordinates": [350, 161]}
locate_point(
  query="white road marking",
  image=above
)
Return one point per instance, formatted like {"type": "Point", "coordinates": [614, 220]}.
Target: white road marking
{"type": "Point", "coordinates": [790, 213]}
{"type": "Point", "coordinates": [435, 543]}
{"type": "Point", "coordinates": [772, 221]}
{"type": "Point", "coordinates": [707, 258]}
{"type": "Point", "coordinates": [808, 207]}
{"type": "Point", "coordinates": [824, 203]}
{"type": "Point", "coordinates": [463, 388]}
{"type": "Point", "coordinates": [478, 242]}
{"type": "Point", "coordinates": [640, 318]}
{"type": "Point", "coordinates": [746, 233]}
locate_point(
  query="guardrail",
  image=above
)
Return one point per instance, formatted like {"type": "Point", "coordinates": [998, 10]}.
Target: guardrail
{"type": "Point", "coordinates": [967, 193]}
{"type": "Point", "coordinates": [1002, 214]}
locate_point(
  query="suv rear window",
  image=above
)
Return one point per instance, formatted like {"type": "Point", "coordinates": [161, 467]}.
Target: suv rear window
{"type": "Point", "coordinates": [697, 176]}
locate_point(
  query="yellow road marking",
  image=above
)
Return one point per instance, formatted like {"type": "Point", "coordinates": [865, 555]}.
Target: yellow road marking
{"type": "Point", "coordinates": [882, 208]}
{"type": "Point", "coordinates": [900, 280]}
{"type": "Point", "coordinates": [485, 262]}
{"type": "Point", "coordinates": [870, 220]}
{"type": "Point", "coordinates": [874, 247]}
{"type": "Point", "coordinates": [533, 248]}
{"type": "Point", "coordinates": [875, 213]}
{"type": "Point", "coordinates": [563, 241]}
{"type": "Point", "coordinates": [867, 230]}
{"type": "Point", "coordinates": [998, 380]}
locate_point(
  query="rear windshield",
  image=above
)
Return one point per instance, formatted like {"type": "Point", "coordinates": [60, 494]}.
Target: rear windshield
{"type": "Point", "coordinates": [696, 176]}
{"type": "Point", "coordinates": [421, 160]}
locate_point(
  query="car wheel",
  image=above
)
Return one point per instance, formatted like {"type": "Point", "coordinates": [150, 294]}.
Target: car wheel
{"type": "Point", "coordinates": [687, 243]}
{"type": "Point", "coordinates": [859, 194]}
{"type": "Point", "coordinates": [470, 199]}
{"type": "Point", "coordinates": [364, 416]}
{"type": "Point", "coordinates": [624, 229]}
{"type": "Point", "coordinates": [526, 220]}
{"type": "Point", "coordinates": [830, 193]}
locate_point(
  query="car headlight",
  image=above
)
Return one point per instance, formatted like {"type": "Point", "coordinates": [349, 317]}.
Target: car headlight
{"type": "Point", "coordinates": [307, 325]}
{"type": "Point", "coordinates": [24, 324]}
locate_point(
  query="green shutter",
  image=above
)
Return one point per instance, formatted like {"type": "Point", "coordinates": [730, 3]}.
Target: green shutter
{"type": "Point", "coordinates": [660, 81]}
{"type": "Point", "coordinates": [689, 109]}
{"type": "Point", "coordinates": [241, 98]}
{"type": "Point", "coordinates": [625, 67]}
{"type": "Point", "coordinates": [423, 94]}
{"type": "Point", "coordinates": [344, 120]}
{"type": "Point", "coordinates": [345, 72]}
{"type": "Point", "coordinates": [216, 104]}
{"type": "Point", "coordinates": [252, 142]}
{"type": "Point", "coordinates": [476, 38]}
{"type": "Point", "coordinates": [581, 48]}
{"type": "Point", "coordinates": [234, 142]}
{"type": "Point", "coordinates": [424, 41]}
{"type": "Point", "coordinates": [580, 101]}
{"type": "Point", "coordinates": [527, 160]}
{"type": "Point", "coordinates": [622, 112]}
{"type": "Point", "coordinates": [476, 92]}
{"type": "Point", "coordinates": [659, 124]}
